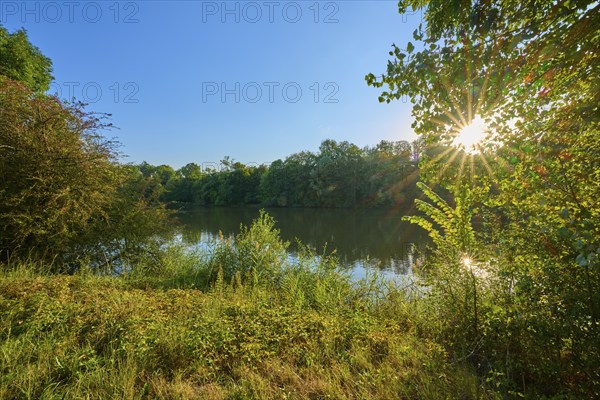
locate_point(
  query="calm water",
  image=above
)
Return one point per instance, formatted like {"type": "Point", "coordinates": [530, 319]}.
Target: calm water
{"type": "Point", "coordinates": [362, 238]}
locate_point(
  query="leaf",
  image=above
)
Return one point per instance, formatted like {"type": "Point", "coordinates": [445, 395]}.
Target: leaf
{"type": "Point", "coordinates": [564, 232]}
{"type": "Point", "coordinates": [581, 260]}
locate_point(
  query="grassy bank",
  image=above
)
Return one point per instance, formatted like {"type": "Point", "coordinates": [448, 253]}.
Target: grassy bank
{"type": "Point", "coordinates": [241, 320]}
{"type": "Point", "coordinates": [233, 322]}
{"type": "Point", "coordinates": [106, 337]}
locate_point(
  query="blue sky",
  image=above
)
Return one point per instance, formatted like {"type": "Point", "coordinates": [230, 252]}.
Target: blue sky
{"type": "Point", "coordinates": [193, 81]}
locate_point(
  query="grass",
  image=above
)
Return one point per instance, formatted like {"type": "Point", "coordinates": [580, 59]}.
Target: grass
{"type": "Point", "coordinates": [314, 336]}
{"type": "Point", "coordinates": [235, 322]}
{"type": "Point", "coordinates": [99, 337]}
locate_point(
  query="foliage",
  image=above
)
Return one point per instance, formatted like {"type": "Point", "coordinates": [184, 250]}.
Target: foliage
{"type": "Point", "coordinates": [258, 251]}
{"type": "Point", "coordinates": [21, 61]}
{"type": "Point", "coordinates": [63, 196]}
{"type": "Point", "coordinates": [101, 337]}
{"type": "Point", "coordinates": [531, 70]}
{"type": "Point", "coordinates": [452, 227]}
{"type": "Point", "coordinates": [339, 175]}
{"type": "Point", "coordinates": [458, 277]}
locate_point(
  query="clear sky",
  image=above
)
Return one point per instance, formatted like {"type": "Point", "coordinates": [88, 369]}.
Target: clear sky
{"type": "Point", "coordinates": [193, 81]}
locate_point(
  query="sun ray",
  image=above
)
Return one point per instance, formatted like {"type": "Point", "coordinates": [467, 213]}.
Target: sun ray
{"type": "Point", "coordinates": [472, 165]}
{"type": "Point", "coordinates": [438, 157]}
{"type": "Point", "coordinates": [488, 168]}
{"type": "Point", "coordinates": [457, 108]}
{"type": "Point", "coordinates": [444, 124]}
{"type": "Point", "coordinates": [457, 121]}
{"type": "Point", "coordinates": [455, 104]}
{"type": "Point", "coordinates": [447, 164]}
{"type": "Point", "coordinates": [469, 79]}
{"type": "Point", "coordinates": [483, 89]}
{"type": "Point", "coordinates": [461, 168]}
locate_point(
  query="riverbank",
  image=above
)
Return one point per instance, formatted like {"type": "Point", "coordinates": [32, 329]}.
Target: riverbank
{"type": "Point", "coordinates": [100, 337]}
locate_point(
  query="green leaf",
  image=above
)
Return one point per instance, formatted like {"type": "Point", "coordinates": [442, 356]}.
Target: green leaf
{"type": "Point", "coordinates": [581, 260]}
{"type": "Point", "coordinates": [564, 232]}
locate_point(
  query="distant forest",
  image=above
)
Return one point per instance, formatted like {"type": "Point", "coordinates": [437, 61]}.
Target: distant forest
{"type": "Point", "coordinates": [340, 174]}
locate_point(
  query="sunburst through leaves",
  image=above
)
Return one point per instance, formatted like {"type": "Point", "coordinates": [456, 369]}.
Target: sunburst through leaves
{"type": "Point", "coordinates": [471, 136]}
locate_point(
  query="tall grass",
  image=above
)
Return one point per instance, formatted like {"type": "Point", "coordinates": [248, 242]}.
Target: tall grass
{"type": "Point", "coordinates": [102, 338]}
{"type": "Point", "coordinates": [236, 322]}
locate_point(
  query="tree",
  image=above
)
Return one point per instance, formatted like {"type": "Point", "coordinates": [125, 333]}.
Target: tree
{"type": "Point", "coordinates": [339, 175]}
{"type": "Point", "coordinates": [164, 173]}
{"type": "Point", "coordinates": [531, 70]}
{"type": "Point", "coordinates": [190, 171]}
{"type": "Point", "coordinates": [23, 62]}
{"type": "Point", "coordinates": [63, 196]}
{"type": "Point", "coordinates": [272, 188]}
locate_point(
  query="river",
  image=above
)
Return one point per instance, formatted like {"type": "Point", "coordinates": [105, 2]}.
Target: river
{"type": "Point", "coordinates": [363, 239]}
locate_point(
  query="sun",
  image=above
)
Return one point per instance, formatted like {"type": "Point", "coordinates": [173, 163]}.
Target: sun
{"type": "Point", "coordinates": [470, 136]}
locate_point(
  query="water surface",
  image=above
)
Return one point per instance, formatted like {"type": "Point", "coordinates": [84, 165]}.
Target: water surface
{"type": "Point", "coordinates": [362, 238]}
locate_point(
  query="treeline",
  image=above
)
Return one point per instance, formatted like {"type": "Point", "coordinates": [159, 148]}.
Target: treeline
{"type": "Point", "coordinates": [340, 174]}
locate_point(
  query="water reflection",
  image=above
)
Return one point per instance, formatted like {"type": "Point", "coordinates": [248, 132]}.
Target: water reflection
{"type": "Point", "coordinates": [361, 238]}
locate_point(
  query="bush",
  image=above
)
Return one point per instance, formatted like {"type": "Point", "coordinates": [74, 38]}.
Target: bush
{"type": "Point", "coordinates": [257, 251]}
{"type": "Point", "coordinates": [63, 196]}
